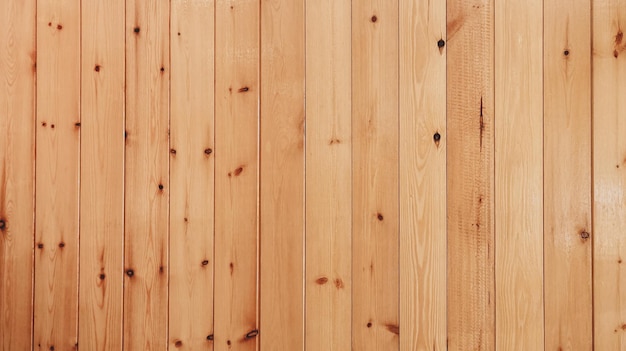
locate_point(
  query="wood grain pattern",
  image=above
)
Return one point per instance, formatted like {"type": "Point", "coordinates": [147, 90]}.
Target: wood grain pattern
{"type": "Point", "coordinates": [102, 175]}
{"type": "Point", "coordinates": [192, 168]}
{"type": "Point", "coordinates": [519, 175]}
{"type": "Point", "coordinates": [17, 184]}
{"type": "Point", "coordinates": [422, 175]}
{"type": "Point", "coordinates": [282, 175]}
{"type": "Point", "coordinates": [567, 175]}
{"type": "Point", "coordinates": [470, 181]}
{"type": "Point", "coordinates": [609, 165]}
{"type": "Point", "coordinates": [57, 175]}
{"type": "Point", "coordinates": [375, 209]}
{"type": "Point", "coordinates": [237, 137]}
{"type": "Point", "coordinates": [146, 178]}
{"type": "Point", "coordinates": [328, 176]}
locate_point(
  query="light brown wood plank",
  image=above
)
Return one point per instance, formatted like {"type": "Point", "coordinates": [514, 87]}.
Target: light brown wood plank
{"type": "Point", "coordinates": [57, 175]}
{"type": "Point", "coordinates": [609, 167]}
{"type": "Point", "coordinates": [470, 183]}
{"type": "Point", "coordinates": [375, 211]}
{"type": "Point", "coordinates": [237, 136]}
{"type": "Point", "coordinates": [328, 176]}
{"type": "Point", "coordinates": [519, 174]}
{"type": "Point", "coordinates": [422, 175]}
{"type": "Point", "coordinates": [282, 175]}
{"type": "Point", "coordinates": [146, 175]}
{"type": "Point", "coordinates": [102, 175]}
{"type": "Point", "coordinates": [192, 169]}
{"type": "Point", "coordinates": [567, 175]}
{"type": "Point", "coordinates": [17, 184]}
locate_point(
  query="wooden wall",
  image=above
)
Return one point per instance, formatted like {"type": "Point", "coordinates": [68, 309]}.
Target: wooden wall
{"type": "Point", "coordinates": [332, 175]}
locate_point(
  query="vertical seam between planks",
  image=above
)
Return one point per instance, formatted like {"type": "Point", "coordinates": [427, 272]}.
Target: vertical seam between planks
{"type": "Point", "coordinates": [259, 173]}
{"type": "Point", "coordinates": [34, 182]}
{"type": "Point", "coordinates": [123, 294]}
{"type": "Point", "coordinates": [492, 184]}
{"type": "Point", "coordinates": [446, 170]}
{"type": "Point", "coordinates": [592, 172]}
{"type": "Point", "coordinates": [169, 167]}
{"type": "Point", "coordinates": [351, 176]}
{"type": "Point", "coordinates": [543, 167]}
{"type": "Point", "coordinates": [399, 286]}
{"type": "Point", "coordinates": [212, 331]}
{"type": "Point", "coordinates": [304, 228]}
{"type": "Point", "coordinates": [80, 186]}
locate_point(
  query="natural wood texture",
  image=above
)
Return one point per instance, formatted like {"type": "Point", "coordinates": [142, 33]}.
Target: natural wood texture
{"type": "Point", "coordinates": [567, 175]}
{"type": "Point", "coordinates": [609, 165]}
{"type": "Point", "coordinates": [236, 183]}
{"type": "Point", "coordinates": [17, 184]}
{"type": "Point", "coordinates": [422, 175]}
{"type": "Point", "coordinates": [282, 175]}
{"type": "Point", "coordinates": [146, 178]}
{"type": "Point", "coordinates": [328, 176]}
{"type": "Point", "coordinates": [375, 211]}
{"type": "Point", "coordinates": [102, 175]}
{"type": "Point", "coordinates": [470, 181]}
{"type": "Point", "coordinates": [191, 175]}
{"type": "Point", "coordinates": [57, 175]}
{"type": "Point", "coordinates": [519, 175]}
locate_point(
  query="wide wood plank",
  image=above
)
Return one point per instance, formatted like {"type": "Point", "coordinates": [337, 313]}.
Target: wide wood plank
{"type": "Point", "coordinates": [57, 175]}
{"type": "Point", "coordinates": [328, 176]}
{"type": "Point", "coordinates": [146, 175]}
{"type": "Point", "coordinates": [422, 175]}
{"type": "Point", "coordinates": [17, 184]}
{"type": "Point", "coordinates": [282, 175]}
{"type": "Point", "coordinates": [375, 211]}
{"type": "Point", "coordinates": [236, 183]}
{"type": "Point", "coordinates": [191, 175]}
{"type": "Point", "coordinates": [609, 174]}
{"type": "Point", "coordinates": [519, 174]}
{"type": "Point", "coordinates": [102, 175]}
{"type": "Point", "coordinates": [470, 181]}
{"type": "Point", "coordinates": [567, 175]}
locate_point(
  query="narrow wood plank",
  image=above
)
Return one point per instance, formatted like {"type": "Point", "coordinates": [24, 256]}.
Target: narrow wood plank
{"type": "Point", "coordinates": [102, 175]}
{"type": "Point", "coordinates": [422, 175]}
{"type": "Point", "coordinates": [567, 175]}
{"type": "Point", "coordinates": [609, 165]}
{"type": "Point", "coordinates": [328, 176]}
{"type": "Point", "coordinates": [17, 184]}
{"type": "Point", "coordinates": [191, 175]}
{"type": "Point", "coordinates": [375, 197]}
{"type": "Point", "coordinates": [237, 135]}
{"type": "Point", "coordinates": [519, 174]}
{"type": "Point", "coordinates": [470, 84]}
{"type": "Point", "coordinates": [57, 175]}
{"type": "Point", "coordinates": [146, 175]}
{"type": "Point", "coordinates": [282, 175]}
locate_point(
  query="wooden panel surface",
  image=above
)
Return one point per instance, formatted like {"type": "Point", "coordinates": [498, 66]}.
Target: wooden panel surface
{"type": "Point", "coordinates": [328, 176]}
{"type": "Point", "coordinates": [375, 211]}
{"type": "Point", "coordinates": [470, 180]}
{"type": "Point", "coordinates": [57, 175]}
{"type": "Point", "coordinates": [102, 175]}
{"type": "Point", "coordinates": [609, 165]}
{"type": "Point", "coordinates": [146, 178]}
{"type": "Point", "coordinates": [17, 150]}
{"type": "Point", "coordinates": [236, 183]}
{"type": "Point", "coordinates": [567, 175]}
{"type": "Point", "coordinates": [191, 175]}
{"type": "Point", "coordinates": [422, 175]}
{"type": "Point", "coordinates": [282, 175]}
{"type": "Point", "coordinates": [519, 175]}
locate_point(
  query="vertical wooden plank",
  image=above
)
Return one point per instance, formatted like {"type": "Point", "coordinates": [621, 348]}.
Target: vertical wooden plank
{"type": "Point", "coordinates": [470, 84]}
{"type": "Point", "coordinates": [146, 175]}
{"type": "Point", "coordinates": [519, 174]}
{"type": "Point", "coordinates": [282, 175]}
{"type": "Point", "coordinates": [17, 116]}
{"type": "Point", "coordinates": [375, 211]}
{"type": "Point", "coordinates": [567, 175]}
{"type": "Point", "coordinates": [57, 175]}
{"type": "Point", "coordinates": [191, 175]}
{"type": "Point", "coordinates": [609, 165]}
{"type": "Point", "coordinates": [422, 175]}
{"type": "Point", "coordinates": [102, 175]}
{"type": "Point", "coordinates": [236, 183]}
{"type": "Point", "coordinates": [328, 176]}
